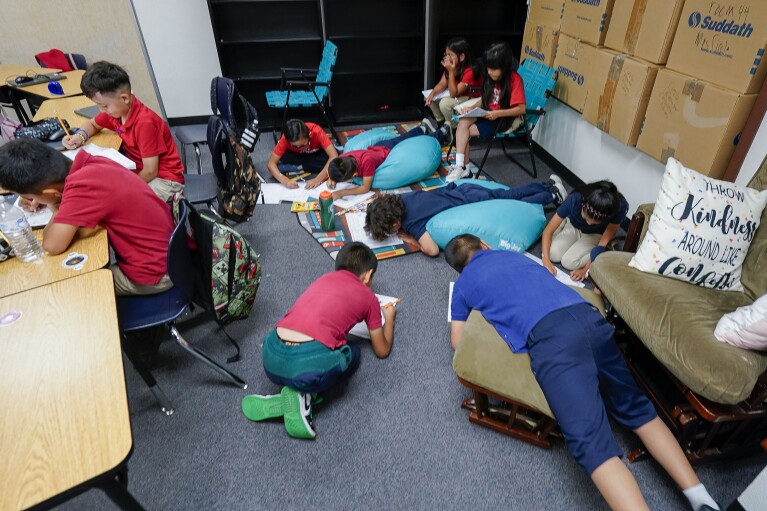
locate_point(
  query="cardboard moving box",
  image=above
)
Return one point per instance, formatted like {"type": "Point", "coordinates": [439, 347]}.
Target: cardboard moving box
{"type": "Point", "coordinates": [722, 42]}
{"type": "Point", "coordinates": [539, 43]}
{"type": "Point", "coordinates": [696, 122]}
{"type": "Point", "coordinates": [587, 20]}
{"type": "Point", "coordinates": [546, 12]}
{"type": "Point", "coordinates": [573, 61]}
{"type": "Point", "coordinates": [644, 28]}
{"type": "Point", "coordinates": [618, 94]}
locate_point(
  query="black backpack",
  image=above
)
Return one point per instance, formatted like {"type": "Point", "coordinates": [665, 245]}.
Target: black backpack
{"type": "Point", "coordinates": [232, 135]}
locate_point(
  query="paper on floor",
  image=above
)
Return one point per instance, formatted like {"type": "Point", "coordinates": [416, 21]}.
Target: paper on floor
{"type": "Point", "coordinates": [356, 223]}
{"type": "Point", "coordinates": [563, 277]}
{"type": "Point", "coordinates": [361, 328]}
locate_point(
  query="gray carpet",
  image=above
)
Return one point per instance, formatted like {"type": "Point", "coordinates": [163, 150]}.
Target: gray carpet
{"type": "Point", "coordinates": [394, 437]}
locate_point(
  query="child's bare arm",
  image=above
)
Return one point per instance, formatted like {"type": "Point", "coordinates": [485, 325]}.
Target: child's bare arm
{"type": "Point", "coordinates": [367, 182]}
{"type": "Point", "coordinates": [271, 165]}
{"type": "Point", "coordinates": [548, 234]}
{"type": "Point", "coordinates": [428, 246]}
{"type": "Point", "coordinates": [456, 331]}
{"type": "Point", "coordinates": [57, 237]}
{"type": "Point", "coordinates": [382, 339]}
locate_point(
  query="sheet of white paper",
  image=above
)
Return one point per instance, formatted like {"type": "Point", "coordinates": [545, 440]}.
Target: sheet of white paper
{"type": "Point", "coordinates": [352, 200]}
{"type": "Point", "coordinates": [444, 94]}
{"type": "Point", "coordinates": [450, 303]}
{"type": "Point", "coordinates": [476, 112]}
{"type": "Point", "coordinates": [106, 152]}
{"type": "Point", "coordinates": [274, 193]}
{"type": "Point", "coordinates": [563, 277]}
{"type": "Point", "coordinates": [361, 328]}
{"type": "Point", "coordinates": [356, 223]}
{"type": "Point", "coordinates": [38, 218]}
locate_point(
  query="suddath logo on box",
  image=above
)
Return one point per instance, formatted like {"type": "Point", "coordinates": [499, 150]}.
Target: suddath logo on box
{"type": "Point", "coordinates": [535, 54]}
{"type": "Point", "coordinates": [576, 77]}
{"type": "Point", "coordinates": [724, 26]}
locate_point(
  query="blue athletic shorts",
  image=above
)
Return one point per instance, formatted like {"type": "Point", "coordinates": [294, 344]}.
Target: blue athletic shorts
{"type": "Point", "coordinates": [583, 375]}
{"type": "Point", "coordinates": [486, 128]}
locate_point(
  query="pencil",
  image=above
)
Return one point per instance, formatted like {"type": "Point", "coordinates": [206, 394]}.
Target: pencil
{"type": "Point", "coordinates": [63, 126]}
{"type": "Point", "coordinates": [300, 176]}
{"type": "Point", "coordinates": [392, 304]}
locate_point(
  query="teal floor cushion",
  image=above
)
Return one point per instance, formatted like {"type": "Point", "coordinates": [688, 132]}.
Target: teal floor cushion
{"type": "Point", "coordinates": [410, 161]}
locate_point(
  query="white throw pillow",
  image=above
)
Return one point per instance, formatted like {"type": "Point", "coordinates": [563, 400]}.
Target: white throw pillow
{"type": "Point", "coordinates": [700, 229]}
{"type": "Point", "coordinates": [746, 327]}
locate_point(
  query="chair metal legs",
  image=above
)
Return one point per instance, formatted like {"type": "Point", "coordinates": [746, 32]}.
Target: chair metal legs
{"type": "Point", "coordinates": [529, 141]}
{"type": "Point", "coordinates": [202, 356]}
{"type": "Point", "coordinates": [146, 375]}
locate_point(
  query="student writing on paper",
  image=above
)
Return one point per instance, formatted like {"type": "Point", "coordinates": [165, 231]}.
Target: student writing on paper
{"type": "Point", "coordinates": [146, 138]}
{"type": "Point", "coordinates": [307, 353]}
{"type": "Point", "coordinates": [407, 214]}
{"type": "Point", "coordinates": [576, 362]}
{"type": "Point", "coordinates": [304, 145]}
{"type": "Point", "coordinates": [503, 95]}
{"type": "Point", "coordinates": [461, 73]}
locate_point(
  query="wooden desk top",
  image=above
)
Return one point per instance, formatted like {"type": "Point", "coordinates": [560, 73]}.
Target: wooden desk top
{"type": "Point", "coordinates": [16, 276]}
{"type": "Point", "coordinates": [64, 412]}
{"type": "Point", "coordinates": [8, 71]}
{"type": "Point", "coordinates": [66, 109]}
{"type": "Point", "coordinates": [71, 86]}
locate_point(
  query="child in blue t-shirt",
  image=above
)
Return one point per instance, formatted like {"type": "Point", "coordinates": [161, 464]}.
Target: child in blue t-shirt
{"type": "Point", "coordinates": [576, 362]}
{"type": "Point", "coordinates": [582, 227]}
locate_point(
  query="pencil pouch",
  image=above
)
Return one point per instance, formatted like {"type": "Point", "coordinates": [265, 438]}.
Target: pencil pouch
{"type": "Point", "coordinates": [40, 130]}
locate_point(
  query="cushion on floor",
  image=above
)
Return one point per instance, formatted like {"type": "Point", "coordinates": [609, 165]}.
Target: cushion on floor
{"type": "Point", "coordinates": [368, 138]}
{"type": "Point", "coordinates": [410, 161]}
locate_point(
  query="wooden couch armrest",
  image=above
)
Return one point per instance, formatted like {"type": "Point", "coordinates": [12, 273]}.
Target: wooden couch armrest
{"type": "Point", "coordinates": [638, 227]}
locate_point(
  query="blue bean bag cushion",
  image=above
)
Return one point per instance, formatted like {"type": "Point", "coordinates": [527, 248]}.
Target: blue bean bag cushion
{"type": "Point", "coordinates": [410, 161]}
{"type": "Point", "coordinates": [368, 138]}
{"type": "Point", "coordinates": [503, 224]}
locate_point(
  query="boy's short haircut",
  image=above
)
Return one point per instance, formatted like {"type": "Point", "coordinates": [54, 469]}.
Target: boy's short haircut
{"type": "Point", "coordinates": [357, 258]}
{"type": "Point", "coordinates": [29, 166]}
{"type": "Point", "coordinates": [460, 249]}
{"type": "Point", "coordinates": [342, 168]}
{"type": "Point", "coordinates": [104, 78]}
{"type": "Point", "coordinates": [382, 213]}
{"type": "Point", "coordinates": [295, 129]}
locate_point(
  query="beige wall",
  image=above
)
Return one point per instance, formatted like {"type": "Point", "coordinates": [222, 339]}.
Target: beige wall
{"type": "Point", "coordinates": [98, 29]}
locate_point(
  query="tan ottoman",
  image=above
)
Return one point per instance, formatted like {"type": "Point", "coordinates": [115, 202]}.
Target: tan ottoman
{"type": "Point", "coordinates": [485, 364]}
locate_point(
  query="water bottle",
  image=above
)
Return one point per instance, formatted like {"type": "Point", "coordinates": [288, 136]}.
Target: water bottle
{"type": "Point", "coordinates": [16, 229]}
{"type": "Point", "coordinates": [327, 217]}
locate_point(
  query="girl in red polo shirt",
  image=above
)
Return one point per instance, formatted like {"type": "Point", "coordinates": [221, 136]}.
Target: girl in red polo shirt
{"type": "Point", "coordinates": [503, 95]}
{"type": "Point", "coordinates": [461, 73]}
{"type": "Point", "coordinates": [305, 144]}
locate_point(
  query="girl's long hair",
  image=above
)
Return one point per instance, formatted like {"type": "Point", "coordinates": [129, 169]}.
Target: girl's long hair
{"type": "Point", "coordinates": [460, 45]}
{"type": "Point", "coordinates": [498, 56]}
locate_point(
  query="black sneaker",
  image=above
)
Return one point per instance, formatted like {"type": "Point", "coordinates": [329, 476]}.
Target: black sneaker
{"type": "Point", "coordinates": [447, 136]}
{"type": "Point", "coordinates": [428, 125]}
{"type": "Point", "coordinates": [559, 192]}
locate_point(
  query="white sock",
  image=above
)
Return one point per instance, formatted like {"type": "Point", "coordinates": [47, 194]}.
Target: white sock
{"type": "Point", "coordinates": [459, 159]}
{"type": "Point", "coordinates": [698, 497]}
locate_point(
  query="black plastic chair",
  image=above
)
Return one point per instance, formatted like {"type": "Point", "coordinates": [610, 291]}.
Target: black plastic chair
{"type": "Point", "coordinates": [162, 309]}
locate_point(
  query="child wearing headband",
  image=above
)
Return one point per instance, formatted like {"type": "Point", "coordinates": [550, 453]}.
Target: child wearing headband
{"type": "Point", "coordinates": [582, 227]}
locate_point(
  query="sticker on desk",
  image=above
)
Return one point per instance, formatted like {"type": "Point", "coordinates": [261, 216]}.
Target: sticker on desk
{"type": "Point", "coordinates": [74, 261]}
{"type": "Point", "coordinates": [9, 318]}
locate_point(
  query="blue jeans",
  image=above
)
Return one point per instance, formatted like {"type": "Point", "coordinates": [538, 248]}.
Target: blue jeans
{"type": "Point", "coordinates": [415, 132]}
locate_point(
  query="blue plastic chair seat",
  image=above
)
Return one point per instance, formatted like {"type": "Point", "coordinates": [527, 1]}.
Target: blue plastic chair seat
{"type": "Point", "coordinates": [200, 188]}
{"type": "Point", "coordinates": [277, 99]}
{"type": "Point", "coordinates": [137, 312]}
{"type": "Point", "coordinates": [193, 134]}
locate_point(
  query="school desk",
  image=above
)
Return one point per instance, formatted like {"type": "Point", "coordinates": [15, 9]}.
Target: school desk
{"type": "Point", "coordinates": [71, 86]}
{"type": "Point", "coordinates": [64, 412]}
{"type": "Point", "coordinates": [65, 108]}
{"type": "Point", "coordinates": [11, 71]}
{"type": "Point", "coordinates": [16, 276]}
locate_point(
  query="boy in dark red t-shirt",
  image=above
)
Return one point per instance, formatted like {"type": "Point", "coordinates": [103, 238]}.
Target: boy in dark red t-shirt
{"type": "Point", "coordinates": [307, 352]}
{"type": "Point", "coordinates": [303, 146]}
{"type": "Point", "coordinates": [146, 138]}
{"type": "Point", "coordinates": [88, 193]}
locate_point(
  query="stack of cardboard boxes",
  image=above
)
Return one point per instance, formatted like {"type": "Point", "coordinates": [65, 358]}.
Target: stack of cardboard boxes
{"type": "Point", "coordinates": [542, 31]}
{"type": "Point", "coordinates": [611, 56]}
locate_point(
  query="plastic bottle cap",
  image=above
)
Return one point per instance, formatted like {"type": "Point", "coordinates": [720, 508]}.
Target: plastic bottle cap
{"type": "Point", "coordinates": [326, 195]}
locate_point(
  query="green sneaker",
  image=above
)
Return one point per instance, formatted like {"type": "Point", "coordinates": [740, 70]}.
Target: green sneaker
{"type": "Point", "coordinates": [258, 408]}
{"type": "Point", "coordinates": [297, 407]}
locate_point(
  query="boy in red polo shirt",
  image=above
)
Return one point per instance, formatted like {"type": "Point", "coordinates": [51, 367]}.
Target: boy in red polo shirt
{"type": "Point", "coordinates": [90, 192]}
{"type": "Point", "coordinates": [147, 140]}
{"type": "Point", "coordinates": [303, 147]}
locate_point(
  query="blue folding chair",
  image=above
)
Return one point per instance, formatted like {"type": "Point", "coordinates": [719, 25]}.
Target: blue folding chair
{"type": "Point", "coordinates": [162, 309]}
{"type": "Point", "coordinates": [539, 80]}
{"type": "Point", "coordinates": [305, 88]}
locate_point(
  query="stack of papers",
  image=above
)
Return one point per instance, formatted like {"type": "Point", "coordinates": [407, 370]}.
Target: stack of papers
{"type": "Point", "coordinates": [361, 329]}
{"type": "Point", "coordinates": [475, 112]}
{"type": "Point", "coordinates": [444, 94]}
{"type": "Point", "coordinates": [106, 152]}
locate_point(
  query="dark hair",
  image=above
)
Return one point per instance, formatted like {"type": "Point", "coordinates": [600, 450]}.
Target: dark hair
{"type": "Point", "coordinates": [460, 45]}
{"type": "Point", "coordinates": [382, 213]}
{"type": "Point", "coordinates": [601, 200]}
{"type": "Point", "coordinates": [29, 166]}
{"type": "Point", "coordinates": [295, 129]}
{"type": "Point", "coordinates": [357, 258]}
{"type": "Point", "coordinates": [104, 78]}
{"type": "Point", "coordinates": [460, 250]}
{"type": "Point", "coordinates": [342, 168]}
{"type": "Point", "coordinates": [498, 56]}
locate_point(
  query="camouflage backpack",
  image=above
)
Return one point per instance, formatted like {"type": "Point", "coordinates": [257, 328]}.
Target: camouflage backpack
{"type": "Point", "coordinates": [228, 269]}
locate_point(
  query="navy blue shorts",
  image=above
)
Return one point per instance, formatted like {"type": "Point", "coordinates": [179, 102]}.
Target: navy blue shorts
{"type": "Point", "coordinates": [486, 128]}
{"type": "Point", "coordinates": [583, 375]}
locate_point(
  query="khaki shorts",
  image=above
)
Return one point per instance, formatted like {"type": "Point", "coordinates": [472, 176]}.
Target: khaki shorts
{"type": "Point", "coordinates": [165, 189]}
{"type": "Point", "coordinates": [125, 286]}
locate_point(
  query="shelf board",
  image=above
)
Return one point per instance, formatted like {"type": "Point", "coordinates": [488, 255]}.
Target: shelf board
{"type": "Point", "coordinates": [216, 2]}
{"type": "Point", "coordinates": [256, 78]}
{"type": "Point", "coordinates": [381, 70]}
{"type": "Point", "coordinates": [358, 116]}
{"type": "Point", "coordinates": [368, 35]}
{"type": "Point", "coordinates": [267, 40]}
{"type": "Point", "coordinates": [484, 32]}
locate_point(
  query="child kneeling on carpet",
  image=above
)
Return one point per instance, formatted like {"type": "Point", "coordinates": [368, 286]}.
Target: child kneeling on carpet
{"type": "Point", "coordinates": [307, 352]}
{"type": "Point", "coordinates": [407, 214]}
{"type": "Point", "coordinates": [576, 362]}
{"type": "Point", "coordinates": [364, 162]}
{"type": "Point", "coordinates": [303, 146]}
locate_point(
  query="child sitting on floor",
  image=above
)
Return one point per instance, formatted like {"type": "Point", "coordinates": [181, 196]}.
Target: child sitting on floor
{"type": "Point", "coordinates": [582, 227]}
{"type": "Point", "coordinates": [407, 214]}
{"type": "Point", "coordinates": [146, 137]}
{"type": "Point", "coordinates": [308, 353]}
{"type": "Point", "coordinates": [576, 362]}
{"type": "Point", "coordinates": [364, 162]}
{"type": "Point", "coordinates": [304, 145]}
